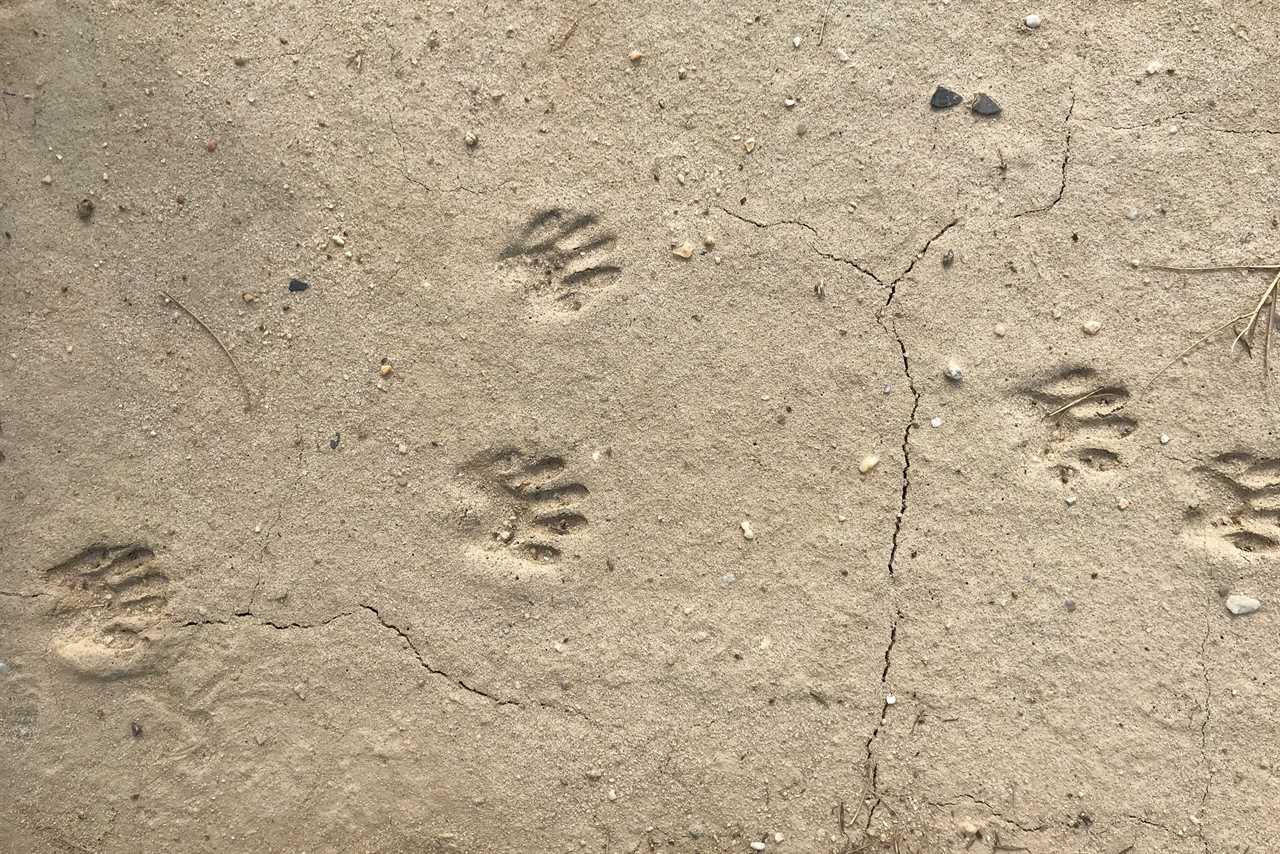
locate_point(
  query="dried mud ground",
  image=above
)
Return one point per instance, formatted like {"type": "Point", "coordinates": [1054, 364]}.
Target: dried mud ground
{"type": "Point", "coordinates": [470, 572]}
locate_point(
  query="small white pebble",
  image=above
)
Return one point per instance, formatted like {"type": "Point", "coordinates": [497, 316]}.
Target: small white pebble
{"type": "Point", "coordinates": [1071, 500]}
{"type": "Point", "coordinates": [1240, 605]}
{"type": "Point", "coordinates": [1153, 67]}
{"type": "Point", "coordinates": [471, 139]}
{"type": "Point", "coordinates": [1032, 21]}
{"type": "Point", "coordinates": [1056, 313]}
{"type": "Point", "coordinates": [749, 144]}
{"type": "Point", "coordinates": [728, 578]}
{"type": "Point", "coordinates": [1000, 330]}
{"type": "Point", "coordinates": [684, 250]}
{"type": "Point", "coordinates": [338, 240]}
{"type": "Point", "coordinates": [778, 837]}
{"type": "Point", "coordinates": [1164, 438]}
{"type": "Point", "coordinates": [842, 54]}
{"type": "Point", "coordinates": [747, 532]}
{"type": "Point", "coordinates": [795, 41]}
{"type": "Point", "coordinates": [46, 180]}
{"type": "Point", "coordinates": [1131, 214]}
{"type": "Point", "coordinates": [890, 699]}
{"type": "Point", "coordinates": [1091, 327]}
{"type": "Point", "coordinates": [788, 102]}
{"type": "Point", "coordinates": [613, 794]}
{"type": "Point", "coordinates": [935, 422]}
{"type": "Point", "coordinates": [758, 846]}
{"type": "Point", "coordinates": [868, 463]}
{"type": "Point", "coordinates": [257, 529]}
{"type": "Point", "coordinates": [952, 371]}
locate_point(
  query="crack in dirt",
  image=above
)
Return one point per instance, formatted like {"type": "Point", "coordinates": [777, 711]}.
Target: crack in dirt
{"type": "Point", "coordinates": [1204, 729]}
{"type": "Point", "coordinates": [854, 264]}
{"type": "Point", "coordinates": [1066, 160]}
{"type": "Point", "coordinates": [427, 666]}
{"type": "Point", "coordinates": [271, 624]}
{"type": "Point", "coordinates": [891, 330]}
{"type": "Point", "coordinates": [1242, 131]}
{"type": "Point", "coordinates": [1013, 822]}
{"type": "Point", "coordinates": [21, 594]}
{"type": "Point", "coordinates": [758, 224]}
{"type": "Point", "coordinates": [404, 156]}
{"type": "Point", "coordinates": [248, 614]}
{"type": "Point", "coordinates": [893, 286]}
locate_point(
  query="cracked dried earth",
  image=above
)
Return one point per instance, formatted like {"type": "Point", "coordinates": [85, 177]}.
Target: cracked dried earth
{"type": "Point", "coordinates": [470, 573]}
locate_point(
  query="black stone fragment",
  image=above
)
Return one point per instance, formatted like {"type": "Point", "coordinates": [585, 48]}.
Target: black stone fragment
{"type": "Point", "coordinates": [297, 285]}
{"type": "Point", "coordinates": [984, 106]}
{"type": "Point", "coordinates": [136, 729]}
{"type": "Point", "coordinates": [944, 99]}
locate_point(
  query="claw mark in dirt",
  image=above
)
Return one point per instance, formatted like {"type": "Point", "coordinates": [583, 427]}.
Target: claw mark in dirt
{"type": "Point", "coordinates": [1087, 428]}
{"type": "Point", "coordinates": [540, 504]}
{"type": "Point", "coordinates": [107, 602]}
{"type": "Point", "coordinates": [1241, 513]}
{"type": "Point", "coordinates": [567, 253]}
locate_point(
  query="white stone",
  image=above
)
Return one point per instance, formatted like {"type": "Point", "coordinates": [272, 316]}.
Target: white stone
{"type": "Point", "coordinates": [1091, 327]}
{"type": "Point", "coordinates": [935, 422]}
{"type": "Point", "coordinates": [1240, 605]}
{"type": "Point", "coordinates": [1032, 22]}
{"type": "Point", "coordinates": [747, 532]}
{"type": "Point", "coordinates": [868, 463]}
{"type": "Point", "coordinates": [952, 370]}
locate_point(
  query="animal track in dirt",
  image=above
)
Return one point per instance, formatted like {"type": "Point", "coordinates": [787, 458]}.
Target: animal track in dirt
{"type": "Point", "coordinates": [1088, 434]}
{"type": "Point", "coordinates": [105, 602]}
{"type": "Point", "coordinates": [567, 253]}
{"type": "Point", "coordinates": [1242, 513]}
{"type": "Point", "coordinates": [540, 502]}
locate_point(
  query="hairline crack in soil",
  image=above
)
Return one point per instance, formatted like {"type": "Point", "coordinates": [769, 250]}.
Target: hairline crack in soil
{"type": "Point", "coordinates": [890, 329]}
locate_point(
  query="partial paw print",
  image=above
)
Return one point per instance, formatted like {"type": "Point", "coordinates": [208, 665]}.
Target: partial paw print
{"type": "Point", "coordinates": [1088, 429]}
{"type": "Point", "coordinates": [1243, 510]}
{"type": "Point", "coordinates": [568, 252]}
{"type": "Point", "coordinates": [539, 503]}
{"type": "Point", "coordinates": [105, 601]}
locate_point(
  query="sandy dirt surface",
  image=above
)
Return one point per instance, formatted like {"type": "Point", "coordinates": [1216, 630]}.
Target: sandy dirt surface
{"type": "Point", "coordinates": [505, 527]}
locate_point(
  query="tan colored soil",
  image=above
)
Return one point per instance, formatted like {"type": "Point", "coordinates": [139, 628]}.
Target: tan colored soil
{"type": "Point", "coordinates": [536, 536]}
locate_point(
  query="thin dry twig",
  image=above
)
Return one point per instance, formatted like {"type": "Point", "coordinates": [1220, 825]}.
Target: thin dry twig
{"type": "Point", "coordinates": [248, 395]}
{"type": "Point", "coordinates": [1081, 399]}
{"type": "Point", "coordinates": [1232, 322]}
{"type": "Point", "coordinates": [1266, 300]}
